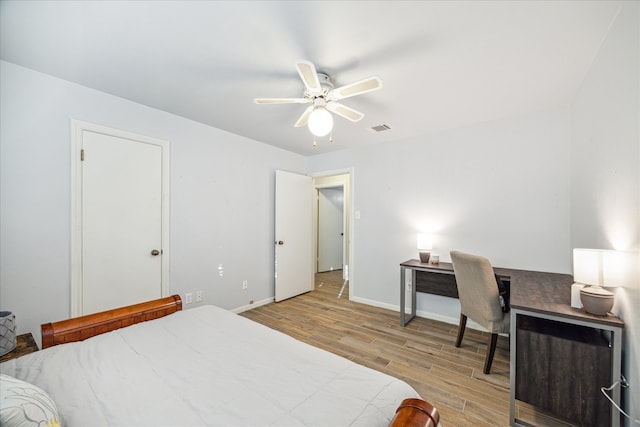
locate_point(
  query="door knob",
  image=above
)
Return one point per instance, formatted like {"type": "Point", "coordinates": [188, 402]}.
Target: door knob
{"type": "Point", "coordinates": [155, 252]}
{"type": "Point", "coordinates": [281, 242]}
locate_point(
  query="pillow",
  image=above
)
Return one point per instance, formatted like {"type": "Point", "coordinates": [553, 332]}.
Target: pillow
{"type": "Point", "coordinates": [24, 404]}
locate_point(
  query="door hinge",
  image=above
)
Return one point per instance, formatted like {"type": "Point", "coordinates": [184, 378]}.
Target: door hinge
{"type": "Point", "coordinates": [82, 155]}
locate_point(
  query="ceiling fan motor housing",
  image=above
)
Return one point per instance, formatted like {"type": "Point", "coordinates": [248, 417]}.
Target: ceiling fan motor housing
{"type": "Point", "coordinates": [325, 83]}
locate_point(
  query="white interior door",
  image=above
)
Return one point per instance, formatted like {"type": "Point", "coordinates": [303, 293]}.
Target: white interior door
{"type": "Point", "coordinates": [294, 235]}
{"type": "Point", "coordinates": [121, 230]}
{"type": "Point", "coordinates": [330, 228]}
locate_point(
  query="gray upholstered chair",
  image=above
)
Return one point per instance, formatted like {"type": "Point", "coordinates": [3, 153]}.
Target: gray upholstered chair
{"type": "Point", "coordinates": [479, 299]}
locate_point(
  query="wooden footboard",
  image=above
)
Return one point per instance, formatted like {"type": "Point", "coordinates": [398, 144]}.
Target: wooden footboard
{"type": "Point", "coordinates": [83, 327]}
{"type": "Point", "coordinates": [415, 413]}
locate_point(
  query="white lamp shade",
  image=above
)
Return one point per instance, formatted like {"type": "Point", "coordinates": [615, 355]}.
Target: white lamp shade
{"type": "Point", "coordinates": [425, 241]}
{"type": "Point", "coordinates": [603, 267]}
{"type": "Point", "coordinates": [618, 268]}
{"type": "Point", "coordinates": [320, 122]}
{"type": "Point", "coordinates": [587, 266]}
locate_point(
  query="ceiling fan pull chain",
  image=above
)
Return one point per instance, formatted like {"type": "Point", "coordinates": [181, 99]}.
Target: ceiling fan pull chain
{"type": "Point", "coordinates": [315, 143]}
{"type": "Point", "coordinates": [331, 137]}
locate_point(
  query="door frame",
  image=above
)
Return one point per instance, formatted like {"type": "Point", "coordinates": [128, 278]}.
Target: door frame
{"type": "Point", "coordinates": [348, 209]}
{"type": "Point", "coordinates": [77, 128]}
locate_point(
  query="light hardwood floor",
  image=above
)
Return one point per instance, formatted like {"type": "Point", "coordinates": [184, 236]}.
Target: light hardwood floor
{"type": "Point", "coordinates": [423, 353]}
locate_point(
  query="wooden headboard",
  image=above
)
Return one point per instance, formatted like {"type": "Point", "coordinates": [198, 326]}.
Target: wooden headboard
{"type": "Point", "coordinates": [83, 327]}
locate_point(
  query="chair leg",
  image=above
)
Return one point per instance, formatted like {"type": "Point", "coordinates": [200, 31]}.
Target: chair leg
{"type": "Point", "coordinates": [491, 349]}
{"type": "Point", "coordinates": [461, 326]}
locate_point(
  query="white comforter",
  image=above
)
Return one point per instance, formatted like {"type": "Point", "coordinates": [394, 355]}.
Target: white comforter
{"type": "Point", "coordinates": [207, 366]}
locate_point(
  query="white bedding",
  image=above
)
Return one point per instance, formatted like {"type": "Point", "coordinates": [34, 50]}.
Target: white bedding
{"type": "Point", "coordinates": [207, 366]}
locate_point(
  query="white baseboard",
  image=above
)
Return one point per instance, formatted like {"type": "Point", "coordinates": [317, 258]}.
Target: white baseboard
{"type": "Point", "coordinates": [419, 313]}
{"type": "Point", "coordinates": [252, 306]}
{"type": "Point", "coordinates": [376, 304]}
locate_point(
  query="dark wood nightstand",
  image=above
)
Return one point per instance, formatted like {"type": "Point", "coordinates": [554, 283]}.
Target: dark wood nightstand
{"type": "Point", "coordinates": [25, 344]}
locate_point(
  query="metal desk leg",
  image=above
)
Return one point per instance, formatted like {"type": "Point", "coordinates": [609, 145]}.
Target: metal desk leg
{"type": "Point", "coordinates": [512, 366]}
{"type": "Point", "coordinates": [402, 296]}
{"type": "Point", "coordinates": [616, 370]}
{"type": "Point", "coordinates": [414, 294]}
{"type": "Point", "coordinates": [404, 319]}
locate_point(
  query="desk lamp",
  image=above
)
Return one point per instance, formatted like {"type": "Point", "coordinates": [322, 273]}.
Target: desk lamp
{"type": "Point", "coordinates": [594, 268]}
{"type": "Point", "coordinates": [425, 244]}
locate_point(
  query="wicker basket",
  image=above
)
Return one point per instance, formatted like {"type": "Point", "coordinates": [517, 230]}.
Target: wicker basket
{"type": "Point", "coordinates": [7, 332]}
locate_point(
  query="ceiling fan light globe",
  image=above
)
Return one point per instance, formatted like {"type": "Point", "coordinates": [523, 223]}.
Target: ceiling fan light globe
{"type": "Point", "coordinates": [320, 122]}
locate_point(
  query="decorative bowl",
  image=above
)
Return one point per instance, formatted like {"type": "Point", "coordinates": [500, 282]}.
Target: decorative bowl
{"type": "Point", "coordinates": [596, 300]}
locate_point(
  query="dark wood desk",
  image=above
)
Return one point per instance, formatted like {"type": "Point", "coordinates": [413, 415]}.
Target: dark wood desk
{"type": "Point", "coordinates": [443, 275]}
{"type": "Point", "coordinates": [567, 350]}
{"type": "Point", "coordinates": [436, 279]}
{"type": "Point", "coordinates": [552, 345]}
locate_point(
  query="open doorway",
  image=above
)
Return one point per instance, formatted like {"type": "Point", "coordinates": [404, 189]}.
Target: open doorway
{"type": "Point", "coordinates": [332, 225]}
{"type": "Point", "coordinates": [330, 229]}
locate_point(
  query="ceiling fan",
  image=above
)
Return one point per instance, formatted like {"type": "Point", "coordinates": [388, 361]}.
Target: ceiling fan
{"type": "Point", "coordinates": [320, 92]}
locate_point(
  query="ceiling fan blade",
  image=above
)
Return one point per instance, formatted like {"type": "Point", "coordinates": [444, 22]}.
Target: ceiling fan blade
{"type": "Point", "coordinates": [282, 100]}
{"type": "Point", "coordinates": [304, 118]}
{"type": "Point", "coordinates": [358, 88]}
{"type": "Point", "coordinates": [309, 76]}
{"type": "Point", "coordinates": [344, 111]}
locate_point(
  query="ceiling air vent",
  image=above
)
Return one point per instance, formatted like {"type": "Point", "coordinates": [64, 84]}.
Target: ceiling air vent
{"type": "Point", "coordinates": [381, 128]}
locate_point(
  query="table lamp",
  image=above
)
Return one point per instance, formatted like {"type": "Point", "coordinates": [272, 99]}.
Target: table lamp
{"type": "Point", "coordinates": [593, 269]}
{"type": "Point", "coordinates": [425, 243]}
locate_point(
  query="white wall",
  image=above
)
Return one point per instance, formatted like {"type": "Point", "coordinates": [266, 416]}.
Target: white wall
{"type": "Point", "coordinates": [499, 188]}
{"type": "Point", "coordinates": [222, 189]}
{"type": "Point", "coordinates": [605, 169]}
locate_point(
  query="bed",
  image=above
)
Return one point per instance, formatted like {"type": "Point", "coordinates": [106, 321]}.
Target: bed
{"type": "Point", "coordinates": [155, 364]}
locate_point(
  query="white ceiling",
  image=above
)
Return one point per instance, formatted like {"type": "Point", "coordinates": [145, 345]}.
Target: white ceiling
{"type": "Point", "coordinates": [444, 63]}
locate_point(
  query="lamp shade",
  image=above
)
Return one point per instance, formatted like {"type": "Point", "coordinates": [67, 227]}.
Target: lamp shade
{"type": "Point", "coordinates": [425, 241]}
{"type": "Point", "coordinates": [603, 267]}
{"type": "Point", "coordinates": [320, 122]}
{"type": "Point", "coordinates": [619, 268]}
{"type": "Point", "coordinates": [587, 266]}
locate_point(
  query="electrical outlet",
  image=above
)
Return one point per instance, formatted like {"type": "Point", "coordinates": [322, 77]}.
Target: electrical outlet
{"type": "Point", "coordinates": [245, 284]}
{"type": "Point", "coordinates": [198, 296]}
{"type": "Point", "coordinates": [188, 298]}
